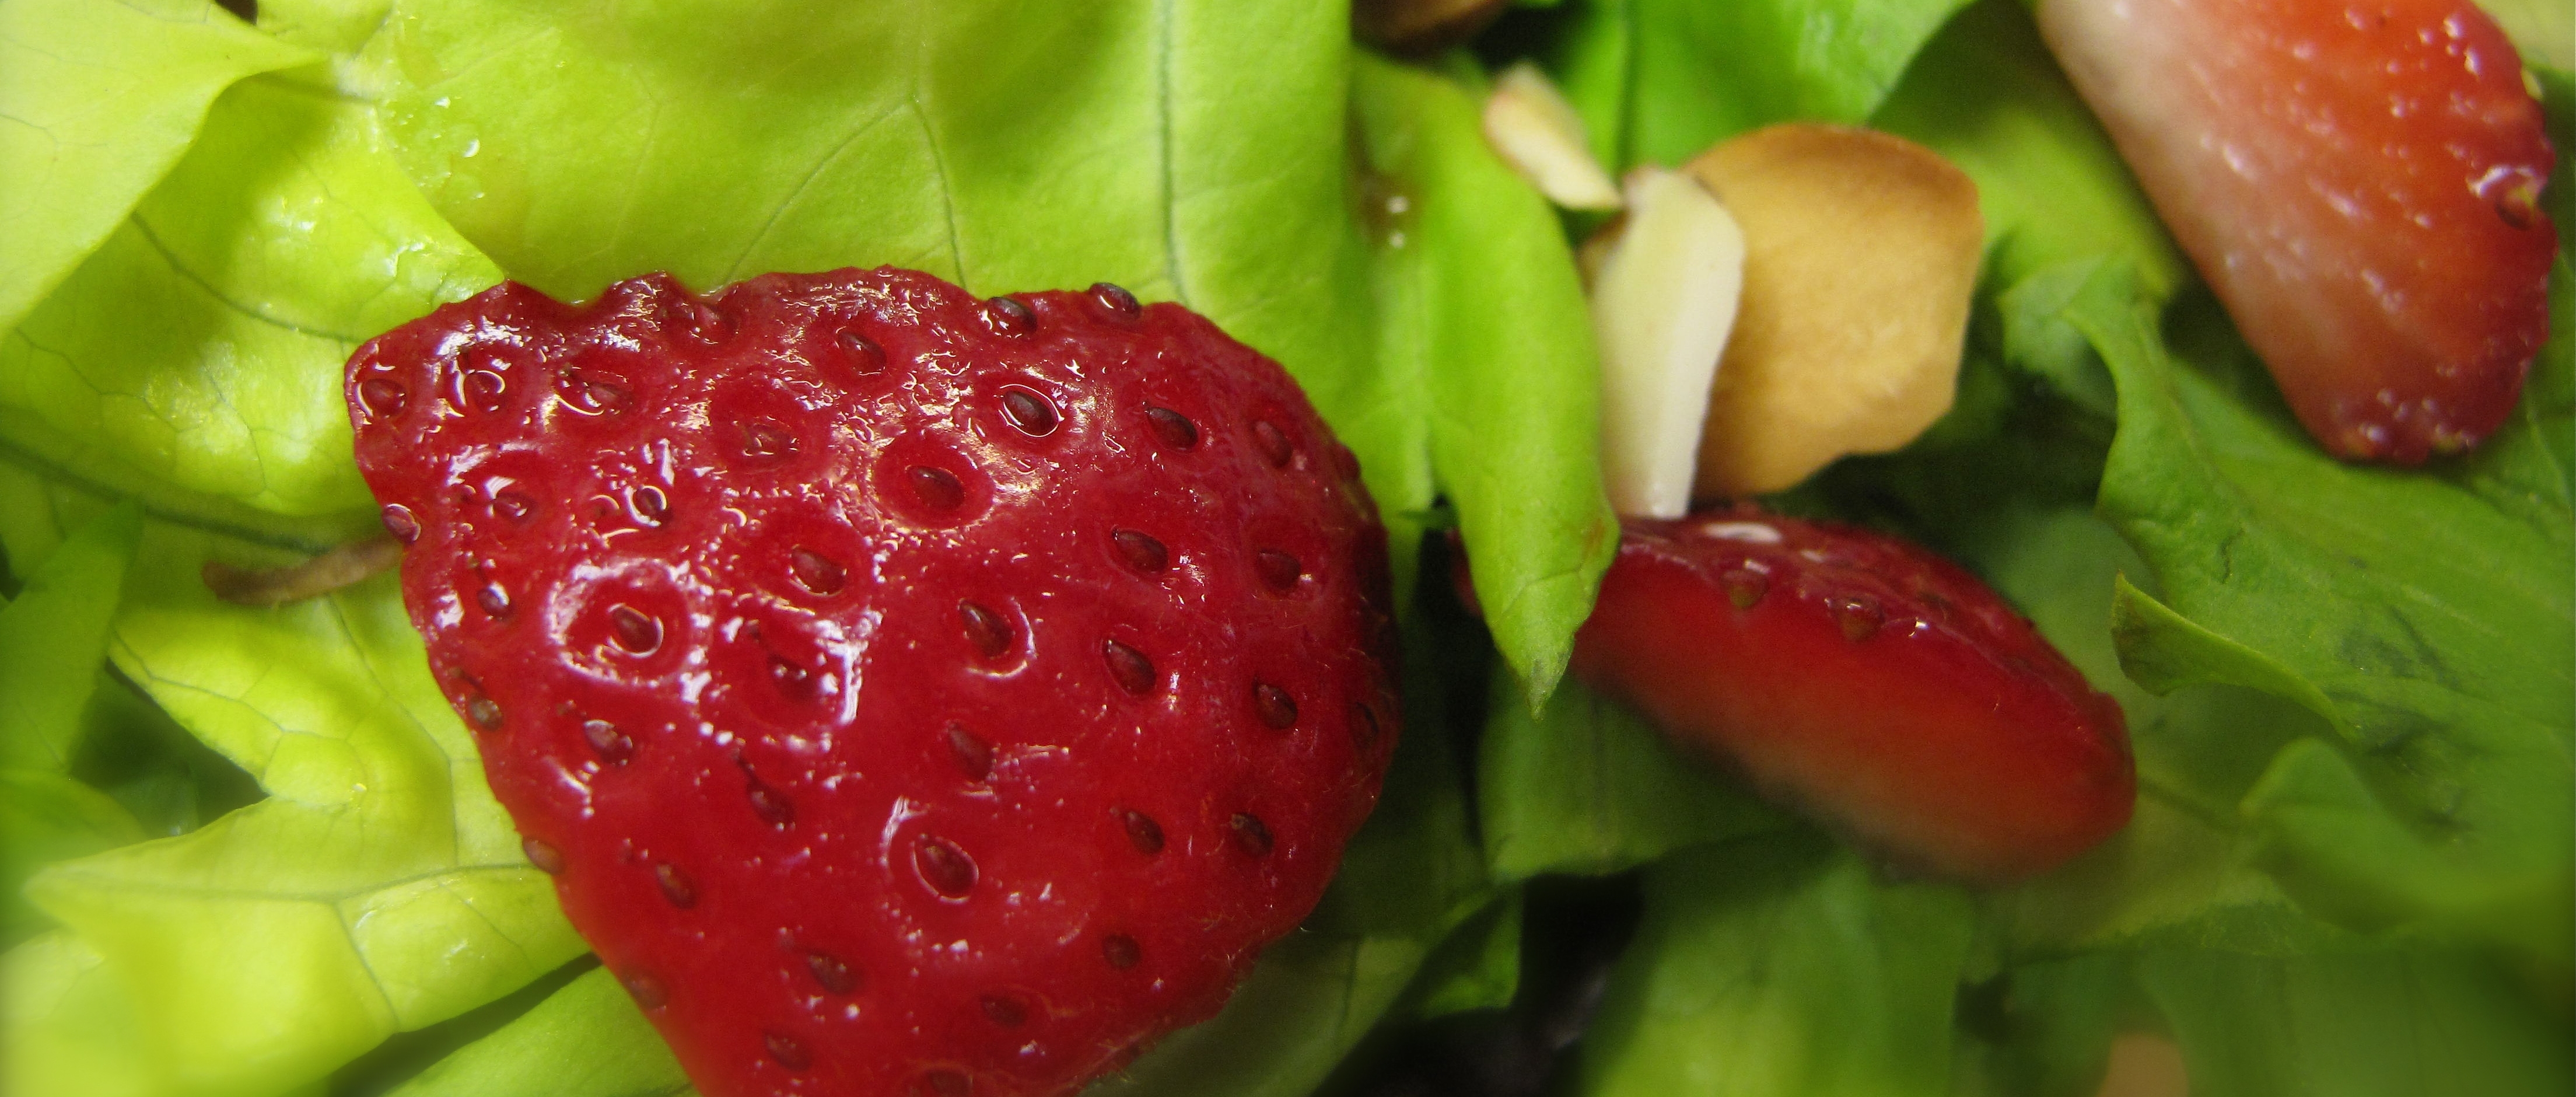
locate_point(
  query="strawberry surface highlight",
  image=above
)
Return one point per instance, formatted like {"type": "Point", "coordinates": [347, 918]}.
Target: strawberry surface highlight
{"type": "Point", "coordinates": [909, 692]}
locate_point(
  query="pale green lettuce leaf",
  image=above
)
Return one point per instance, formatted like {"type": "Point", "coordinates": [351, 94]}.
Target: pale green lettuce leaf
{"type": "Point", "coordinates": [2403, 1024]}
{"type": "Point", "coordinates": [585, 1040]}
{"type": "Point", "coordinates": [1485, 365]}
{"type": "Point", "coordinates": [2438, 626]}
{"type": "Point", "coordinates": [195, 358]}
{"type": "Point", "coordinates": [97, 100]}
{"type": "Point", "coordinates": [44, 817]}
{"type": "Point", "coordinates": [1588, 786]}
{"type": "Point", "coordinates": [66, 1026]}
{"type": "Point", "coordinates": [53, 639]}
{"type": "Point", "coordinates": [1702, 72]}
{"type": "Point", "coordinates": [1985, 94]}
{"type": "Point", "coordinates": [1781, 967]}
{"type": "Point", "coordinates": [378, 888]}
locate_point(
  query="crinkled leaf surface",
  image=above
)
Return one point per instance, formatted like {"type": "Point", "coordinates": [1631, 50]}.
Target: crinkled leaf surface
{"type": "Point", "coordinates": [2439, 625]}
{"type": "Point", "coordinates": [1781, 967]}
{"type": "Point", "coordinates": [378, 888]}
{"type": "Point", "coordinates": [1485, 364]}
{"type": "Point", "coordinates": [97, 100]}
{"type": "Point", "coordinates": [1703, 72]}
{"type": "Point", "coordinates": [195, 358]}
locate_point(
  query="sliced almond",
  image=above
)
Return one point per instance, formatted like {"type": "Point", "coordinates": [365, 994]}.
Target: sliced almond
{"type": "Point", "coordinates": [1421, 26]}
{"type": "Point", "coordinates": [1861, 253]}
{"type": "Point", "coordinates": [1663, 298]}
{"type": "Point", "coordinates": [1533, 128]}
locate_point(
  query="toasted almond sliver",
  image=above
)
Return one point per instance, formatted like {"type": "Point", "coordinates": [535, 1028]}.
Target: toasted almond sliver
{"type": "Point", "coordinates": [1536, 131]}
{"type": "Point", "coordinates": [1861, 253]}
{"type": "Point", "coordinates": [1663, 299]}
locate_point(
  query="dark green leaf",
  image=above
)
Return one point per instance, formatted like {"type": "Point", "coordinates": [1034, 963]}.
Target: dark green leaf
{"type": "Point", "coordinates": [1781, 966]}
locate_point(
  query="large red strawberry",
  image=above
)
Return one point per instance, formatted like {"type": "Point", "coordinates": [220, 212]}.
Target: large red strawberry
{"type": "Point", "coordinates": [2358, 179]}
{"type": "Point", "coordinates": [1864, 680]}
{"type": "Point", "coordinates": [911, 693]}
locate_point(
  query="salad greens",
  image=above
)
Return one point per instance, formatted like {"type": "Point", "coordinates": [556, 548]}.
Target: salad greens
{"type": "Point", "coordinates": [265, 843]}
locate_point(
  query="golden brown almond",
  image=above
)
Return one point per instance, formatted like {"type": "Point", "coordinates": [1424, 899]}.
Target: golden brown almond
{"type": "Point", "coordinates": [1861, 253]}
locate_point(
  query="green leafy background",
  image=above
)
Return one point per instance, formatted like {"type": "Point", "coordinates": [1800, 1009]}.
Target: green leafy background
{"type": "Point", "coordinates": [250, 852]}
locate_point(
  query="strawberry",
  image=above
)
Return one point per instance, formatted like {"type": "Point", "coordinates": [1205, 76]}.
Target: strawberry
{"type": "Point", "coordinates": [2358, 180]}
{"type": "Point", "coordinates": [909, 693]}
{"type": "Point", "coordinates": [1866, 681]}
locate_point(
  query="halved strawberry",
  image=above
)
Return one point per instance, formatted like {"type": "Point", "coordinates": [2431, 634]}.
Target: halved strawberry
{"type": "Point", "coordinates": [1866, 681]}
{"type": "Point", "coordinates": [911, 693]}
{"type": "Point", "coordinates": [2359, 181]}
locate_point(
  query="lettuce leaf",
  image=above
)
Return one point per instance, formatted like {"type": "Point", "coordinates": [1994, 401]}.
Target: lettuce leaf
{"type": "Point", "coordinates": [1779, 965]}
{"type": "Point", "coordinates": [2418, 1024]}
{"type": "Point", "coordinates": [53, 638]}
{"type": "Point", "coordinates": [96, 102]}
{"type": "Point", "coordinates": [1986, 95]}
{"type": "Point", "coordinates": [1705, 72]}
{"type": "Point", "coordinates": [1587, 786]}
{"type": "Point", "coordinates": [2437, 633]}
{"type": "Point", "coordinates": [194, 360]}
{"type": "Point", "coordinates": [66, 1026]}
{"type": "Point", "coordinates": [378, 888]}
{"type": "Point", "coordinates": [1486, 366]}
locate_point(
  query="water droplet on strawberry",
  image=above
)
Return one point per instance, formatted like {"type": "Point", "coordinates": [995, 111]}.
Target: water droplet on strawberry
{"type": "Point", "coordinates": [1121, 951]}
{"type": "Point", "coordinates": [974, 756]}
{"type": "Point", "coordinates": [985, 629]}
{"type": "Point", "coordinates": [1128, 667]}
{"type": "Point", "coordinates": [1276, 708]}
{"type": "Point", "coordinates": [1009, 316]}
{"type": "Point", "coordinates": [944, 867]}
{"type": "Point", "coordinates": [1273, 444]}
{"type": "Point", "coordinates": [676, 886]}
{"type": "Point", "coordinates": [382, 397]}
{"type": "Point", "coordinates": [398, 521]}
{"type": "Point", "coordinates": [1115, 302]}
{"type": "Point", "coordinates": [1279, 571]}
{"type": "Point", "coordinates": [1174, 428]}
{"type": "Point", "coordinates": [1142, 831]}
{"type": "Point", "coordinates": [612, 745]}
{"type": "Point", "coordinates": [1250, 835]}
{"type": "Point", "coordinates": [831, 974]}
{"type": "Point", "coordinates": [815, 573]}
{"type": "Point", "coordinates": [546, 858]}
{"type": "Point", "coordinates": [1141, 551]}
{"type": "Point", "coordinates": [787, 1051]}
{"type": "Point", "coordinates": [1028, 412]}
